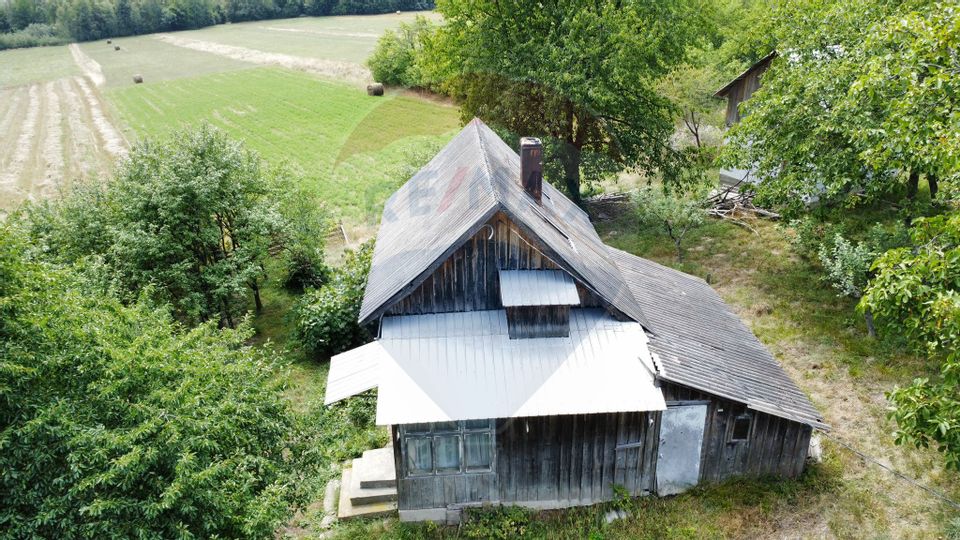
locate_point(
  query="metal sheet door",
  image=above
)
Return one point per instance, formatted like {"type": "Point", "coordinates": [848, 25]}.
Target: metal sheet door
{"type": "Point", "coordinates": [678, 457]}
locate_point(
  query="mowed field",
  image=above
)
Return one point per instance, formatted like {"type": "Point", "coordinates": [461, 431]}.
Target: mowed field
{"type": "Point", "coordinates": [290, 89]}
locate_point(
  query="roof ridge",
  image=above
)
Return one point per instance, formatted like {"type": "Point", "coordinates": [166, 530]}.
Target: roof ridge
{"type": "Point", "coordinates": [484, 156]}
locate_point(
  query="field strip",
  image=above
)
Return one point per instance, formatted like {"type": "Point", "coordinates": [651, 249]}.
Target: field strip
{"type": "Point", "coordinates": [112, 140]}
{"type": "Point", "coordinates": [21, 151]}
{"type": "Point", "coordinates": [52, 153]}
{"type": "Point", "coordinates": [327, 68]}
{"type": "Point", "coordinates": [6, 122]}
{"type": "Point", "coordinates": [320, 32]}
{"type": "Point", "coordinates": [81, 162]}
{"type": "Point", "coordinates": [87, 65]}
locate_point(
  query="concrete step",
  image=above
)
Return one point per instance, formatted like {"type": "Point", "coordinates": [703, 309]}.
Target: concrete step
{"type": "Point", "coordinates": [376, 469]}
{"type": "Point", "coordinates": [347, 509]}
{"type": "Point", "coordinates": [361, 495]}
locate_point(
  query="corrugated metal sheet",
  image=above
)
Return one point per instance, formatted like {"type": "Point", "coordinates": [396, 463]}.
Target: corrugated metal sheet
{"type": "Point", "coordinates": [537, 288]}
{"type": "Point", "coordinates": [354, 371]}
{"type": "Point", "coordinates": [701, 344]}
{"type": "Point", "coordinates": [460, 366]}
{"type": "Point", "coordinates": [452, 197]}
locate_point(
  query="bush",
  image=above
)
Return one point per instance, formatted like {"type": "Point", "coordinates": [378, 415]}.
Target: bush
{"type": "Point", "coordinates": [35, 35]}
{"type": "Point", "coordinates": [675, 213]}
{"type": "Point", "coordinates": [501, 523]}
{"type": "Point", "coordinates": [326, 318]}
{"type": "Point", "coordinates": [118, 423]}
{"type": "Point", "coordinates": [396, 59]}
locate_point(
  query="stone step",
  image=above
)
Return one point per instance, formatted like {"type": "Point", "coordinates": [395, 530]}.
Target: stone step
{"type": "Point", "coordinates": [346, 509]}
{"type": "Point", "coordinates": [361, 495]}
{"type": "Point", "coordinates": [376, 469]}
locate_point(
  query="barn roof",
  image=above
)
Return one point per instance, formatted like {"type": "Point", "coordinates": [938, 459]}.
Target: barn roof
{"type": "Point", "coordinates": [700, 343]}
{"type": "Point", "coordinates": [475, 176]}
{"type": "Point", "coordinates": [759, 64]}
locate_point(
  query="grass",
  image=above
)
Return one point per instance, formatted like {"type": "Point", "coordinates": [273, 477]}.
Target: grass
{"type": "Point", "coordinates": [347, 38]}
{"type": "Point", "coordinates": [153, 59]}
{"type": "Point", "coordinates": [346, 144]}
{"type": "Point", "coordinates": [38, 64]}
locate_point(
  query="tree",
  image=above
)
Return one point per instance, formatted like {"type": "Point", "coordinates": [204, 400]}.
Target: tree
{"type": "Point", "coordinates": [852, 107]}
{"type": "Point", "coordinates": [116, 422]}
{"type": "Point", "coordinates": [916, 293]}
{"type": "Point", "coordinates": [847, 268]}
{"type": "Point", "coordinates": [676, 213]}
{"type": "Point", "coordinates": [327, 318]}
{"type": "Point", "coordinates": [579, 74]}
{"type": "Point", "coordinates": [396, 59]}
{"type": "Point", "coordinates": [691, 89]}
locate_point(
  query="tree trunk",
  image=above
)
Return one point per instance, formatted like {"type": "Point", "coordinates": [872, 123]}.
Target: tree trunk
{"type": "Point", "coordinates": [256, 296]}
{"type": "Point", "coordinates": [913, 185]}
{"type": "Point", "coordinates": [934, 186]}
{"type": "Point", "coordinates": [226, 314]}
{"type": "Point", "coordinates": [679, 251]}
{"type": "Point", "coordinates": [868, 318]}
{"type": "Point", "coordinates": [571, 172]}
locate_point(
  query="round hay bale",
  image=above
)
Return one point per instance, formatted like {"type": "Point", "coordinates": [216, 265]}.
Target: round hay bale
{"type": "Point", "coordinates": [109, 41]}
{"type": "Point", "coordinates": [137, 79]}
{"type": "Point", "coordinates": [116, 47]}
{"type": "Point", "coordinates": [375, 89]}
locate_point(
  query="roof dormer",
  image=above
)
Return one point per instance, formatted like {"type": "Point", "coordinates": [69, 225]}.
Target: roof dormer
{"type": "Point", "coordinates": [538, 302]}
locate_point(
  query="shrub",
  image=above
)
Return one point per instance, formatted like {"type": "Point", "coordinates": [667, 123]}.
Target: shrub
{"type": "Point", "coordinates": [677, 214]}
{"type": "Point", "coordinates": [396, 58]}
{"type": "Point", "coordinates": [35, 35]}
{"type": "Point", "coordinates": [115, 422]}
{"type": "Point", "coordinates": [500, 523]}
{"type": "Point", "coordinates": [326, 318]}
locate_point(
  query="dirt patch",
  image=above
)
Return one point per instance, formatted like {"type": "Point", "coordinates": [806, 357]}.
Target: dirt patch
{"type": "Point", "coordinates": [346, 71]}
{"type": "Point", "coordinates": [90, 68]}
{"type": "Point", "coordinates": [113, 141]}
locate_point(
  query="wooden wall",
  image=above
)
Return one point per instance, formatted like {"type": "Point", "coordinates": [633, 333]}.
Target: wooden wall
{"type": "Point", "coordinates": [538, 321]}
{"type": "Point", "coordinates": [742, 90]}
{"type": "Point", "coordinates": [560, 461]}
{"type": "Point", "coordinates": [468, 279]}
{"type": "Point", "coordinates": [775, 446]}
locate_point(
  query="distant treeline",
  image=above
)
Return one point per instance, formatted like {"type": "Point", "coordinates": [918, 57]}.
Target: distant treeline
{"type": "Point", "coordinates": [28, 23]}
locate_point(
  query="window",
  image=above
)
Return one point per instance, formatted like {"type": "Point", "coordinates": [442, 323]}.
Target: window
{"type": "Point", "coordinates": [448, 447]}
{"type": "Point", "coordinates": [741, 428]}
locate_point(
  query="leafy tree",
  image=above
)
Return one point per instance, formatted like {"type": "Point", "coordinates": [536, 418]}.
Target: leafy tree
{"type": "Point", "coordinates": [691, 88]}
{"type": "Point", "coordinates": [326, 318]}
{"type": "Point", "coordinates": [115, 422]}
{"type": "Point", "coordinates": [676, 213]}
{"type": "Point", "coordinates": [847, 268]}
{"type": "Point", "coordinates": [916, 293]}
{"type": "Point", "coordinates": [843, 112]}
{"type": "Point", "coordinates": [579, 74]}
{"type": "Point", "coordinates": [396, 59]}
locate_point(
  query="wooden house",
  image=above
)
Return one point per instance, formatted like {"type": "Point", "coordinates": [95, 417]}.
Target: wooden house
{"type": "Point", "coordinates": [521, 361]}
{"type": "Point", "coordinates": [736, 92]}
{"type": "Point", "coordinates": [743, 86]}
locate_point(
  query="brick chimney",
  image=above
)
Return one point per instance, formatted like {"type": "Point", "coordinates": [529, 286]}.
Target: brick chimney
{"type": "Point", "coordinates": [531, 167]}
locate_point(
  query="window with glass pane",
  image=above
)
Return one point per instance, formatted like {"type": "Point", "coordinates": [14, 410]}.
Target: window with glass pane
{"type": "Point", "coordinates": [448, 453]}
{"type": "Point", "coordinates": [419, 458]}
{"type": "Point", "coordinates": [476, 424]}
{"type": "Point", "coordinates": [478, 448]}
{"type": "Point", "coordinates": [444, 426]}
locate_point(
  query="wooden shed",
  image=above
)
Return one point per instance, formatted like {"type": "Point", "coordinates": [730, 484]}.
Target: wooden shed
{"type": "Point", "coordinates": [743, 86]}
{"type": "Point", "coordinates": [521, 361]}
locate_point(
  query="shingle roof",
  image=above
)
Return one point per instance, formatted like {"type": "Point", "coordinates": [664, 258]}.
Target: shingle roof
{"type": "Point", "coordinates": [700, 343]}
{"type": "Point", "coordinates": [452, 197]}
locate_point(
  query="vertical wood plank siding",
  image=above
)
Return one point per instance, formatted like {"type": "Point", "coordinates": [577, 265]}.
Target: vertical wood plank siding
{"type": "Point", "coordinates": [538, 321]}
{"type": "Point", "coordinates": [774, 446]}
{"type": "Point", "coordinates": [468, 279]}
{"type": "Point", "coordinates": [560, 461]}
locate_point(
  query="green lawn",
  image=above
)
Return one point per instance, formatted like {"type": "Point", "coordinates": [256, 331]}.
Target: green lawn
{"type": "Point", "coordinates": [346, 38]}
{"type": "Point", "coordinates": [24, 66]}
{"type": "Point", "coordinates": [154, 60]}
{"type": "Point", "coordinates": [347, 145]}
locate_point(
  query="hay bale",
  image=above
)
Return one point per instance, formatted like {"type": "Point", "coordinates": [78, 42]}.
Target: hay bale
{"type": "Point", "coordinates": [109, 41]}
{"type": "Point", "coordinates": [116, 47]}
{"type": "Point", "coordinates": [137, 79]}
{"type": "Point", "coordinates": [375, 89]}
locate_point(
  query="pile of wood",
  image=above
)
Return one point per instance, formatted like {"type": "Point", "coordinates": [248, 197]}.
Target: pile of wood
{"type": "Point", "coordinates": [729, 203]}
{"type": "Point", "coordinates": [608, 205]}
